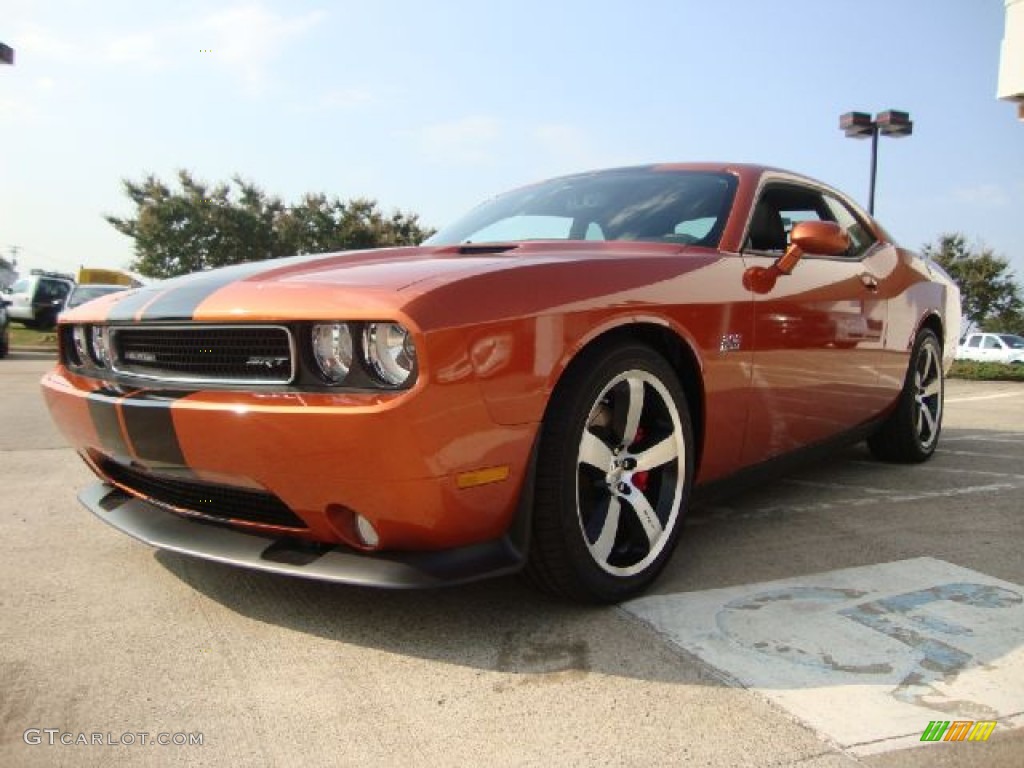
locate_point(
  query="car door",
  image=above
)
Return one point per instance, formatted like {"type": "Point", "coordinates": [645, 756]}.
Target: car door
{"type": "Point", "coordinates": [991, 349]}
{"type": "Point", "coordinates": [972, 350]}
{"type": "Point", "coordinates": [819, 332]}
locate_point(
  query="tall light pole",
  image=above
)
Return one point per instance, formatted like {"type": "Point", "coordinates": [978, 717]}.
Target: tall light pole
{"type": "Point", "coordinates": [859, 125]}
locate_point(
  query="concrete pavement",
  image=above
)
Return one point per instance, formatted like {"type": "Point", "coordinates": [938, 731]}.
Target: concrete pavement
{"type": "Point", "coordinates": [101, 635]}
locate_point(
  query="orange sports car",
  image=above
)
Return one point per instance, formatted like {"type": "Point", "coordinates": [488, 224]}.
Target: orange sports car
{"type": "Point", "coordinates": [538, 387]}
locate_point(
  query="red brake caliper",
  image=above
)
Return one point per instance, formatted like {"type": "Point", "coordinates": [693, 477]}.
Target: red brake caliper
{"type": "Point", "coordinates": [640, 478]}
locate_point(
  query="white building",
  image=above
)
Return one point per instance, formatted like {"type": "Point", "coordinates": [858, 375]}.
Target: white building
{"type": "Point", "coordinates": [1011, 59]}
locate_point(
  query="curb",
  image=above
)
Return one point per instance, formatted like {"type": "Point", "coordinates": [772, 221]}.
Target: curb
{"type": "Point", "coordinates": [36, 350]}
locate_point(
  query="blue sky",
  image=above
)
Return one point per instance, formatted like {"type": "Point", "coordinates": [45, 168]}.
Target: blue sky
{"type": "Point", "coordinates": [432, 107]}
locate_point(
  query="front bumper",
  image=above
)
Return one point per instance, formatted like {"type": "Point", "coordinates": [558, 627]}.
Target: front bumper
{"type": "Point", "coordinates": [395, 460]}
{"type": "Point", "coordinates": [401, 570]}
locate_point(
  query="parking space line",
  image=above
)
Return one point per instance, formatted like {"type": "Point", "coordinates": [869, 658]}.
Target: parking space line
{"type": "Point", "coordinates": [981, 437]}
{"type": "Point", "coordinates": [727, 513]}
{"type": "Point", "coordinates": [836, 486]}
{"type": "Point", "coordinates": [935, 468]}
{"type": "Point", "coordinates": [982, 454]}
{"type": "Point", "coordinates": [975, 398]}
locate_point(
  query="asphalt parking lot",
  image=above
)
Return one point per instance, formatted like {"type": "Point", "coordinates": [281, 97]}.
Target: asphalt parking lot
{"type": "Point", "coordinates": [824, 619]}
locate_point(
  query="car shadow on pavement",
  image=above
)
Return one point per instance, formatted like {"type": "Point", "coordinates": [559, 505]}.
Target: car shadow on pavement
{"type": "Point", "coordinates": [840, 511]}
{"type": "Point", "coordinates": [500, 625]}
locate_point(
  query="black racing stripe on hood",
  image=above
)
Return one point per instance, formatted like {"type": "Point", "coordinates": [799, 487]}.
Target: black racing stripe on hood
{"type": "Point", "coordinates": [178, 299]}
{"type": "Point", "coordinates": [150, 426]}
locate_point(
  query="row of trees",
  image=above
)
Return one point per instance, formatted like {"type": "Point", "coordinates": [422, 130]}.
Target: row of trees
{"type": "Point", "coordinates": [197, 226]}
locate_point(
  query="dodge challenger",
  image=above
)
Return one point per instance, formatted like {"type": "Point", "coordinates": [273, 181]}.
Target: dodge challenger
{"type": "Point", "coordinates": [538, 387]}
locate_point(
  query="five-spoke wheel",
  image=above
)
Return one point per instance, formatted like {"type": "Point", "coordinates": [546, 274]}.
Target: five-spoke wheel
{"type": "Point", "coordinates": [614, 472]}
{"type": "Point", "coordinates": [911, 432]}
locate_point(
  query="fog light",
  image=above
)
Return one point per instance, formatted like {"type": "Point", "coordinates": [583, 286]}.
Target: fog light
{"type": "Point", "coordinates": [367, 533]}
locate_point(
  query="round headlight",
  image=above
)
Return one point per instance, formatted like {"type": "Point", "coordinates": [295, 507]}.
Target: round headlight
{"type": "Point", "coordinates": [332, 348]}
{"type": "Point", "coordinates": [100, 338]}
{"type": "Point", "coordinates": [390, 352]}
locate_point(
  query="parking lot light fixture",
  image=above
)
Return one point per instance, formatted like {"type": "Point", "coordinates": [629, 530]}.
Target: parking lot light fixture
{"type": "Point", "coordinates": [859, 125]}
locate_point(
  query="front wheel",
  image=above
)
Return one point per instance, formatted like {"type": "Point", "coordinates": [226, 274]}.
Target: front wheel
{"type": "Point", "coordinates": [614, 472]}
{"type": "Point", "coordinates": [911, 433]}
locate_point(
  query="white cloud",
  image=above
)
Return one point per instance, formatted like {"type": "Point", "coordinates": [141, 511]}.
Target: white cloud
{"type": "Point", "coordinates": [985, 195]}
{"type": "Point", "coordinates": [247, 38]}
{"type": "Point", "coordinates": [37, 42]}
{"type": "Point", "coordinates": [139, 49]}
{"type": "Point", "coordinates": [467, 141]}
{"type": "Point", "coordinates": [346, 98]}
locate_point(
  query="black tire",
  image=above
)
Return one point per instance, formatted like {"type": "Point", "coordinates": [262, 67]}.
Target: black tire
{"type": "Point", "coordinates": [614, 472]}
{"type": "Point", "coordinates": [911, 432]}
{"type": "Point", "coordinates": [5, 340]}
{"type": "Point", "coordinates": [47, 320]}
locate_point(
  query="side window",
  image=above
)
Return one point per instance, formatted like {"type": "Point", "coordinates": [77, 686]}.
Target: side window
{"type": "Point", "coordinates": [990, 343]}
{"type": "Point", "coordinates": [975, 341]}
{"type": "Point", "coordinates": [861, 238]}
{"type": "Point", "coordinates": [780, 208]}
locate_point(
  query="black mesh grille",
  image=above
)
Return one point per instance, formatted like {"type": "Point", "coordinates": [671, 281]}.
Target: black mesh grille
{"type": "Point", "coordinates": [221, 502]}
{"type": "Point", "coordinates": [257, 354]}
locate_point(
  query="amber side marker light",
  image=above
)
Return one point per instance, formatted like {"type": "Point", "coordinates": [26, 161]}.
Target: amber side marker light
{"type": "Point", "coordinates": [481, 477]}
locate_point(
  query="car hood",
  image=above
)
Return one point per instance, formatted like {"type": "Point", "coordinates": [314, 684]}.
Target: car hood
{"type": "Point", "coordinates": [347, 285]}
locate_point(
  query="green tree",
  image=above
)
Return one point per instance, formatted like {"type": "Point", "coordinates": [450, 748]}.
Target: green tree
{"type": "Point", "coordinates": [198, 226]}
{"type": "Point", "coordinates": [991, 297]}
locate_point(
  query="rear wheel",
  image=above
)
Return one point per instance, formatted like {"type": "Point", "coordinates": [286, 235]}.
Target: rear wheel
{"type": "Point", "coordinates": [5, 339]}
{"type": "Point", "coordinates": [614, 472]}
{"type": "Point", "coordinates": [911, 432]}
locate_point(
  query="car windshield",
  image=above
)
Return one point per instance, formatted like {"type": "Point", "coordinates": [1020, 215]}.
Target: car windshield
{"type": "Point", "coordinates": [1013, 342]}
{"type": "Point", "coordinates": [683, 207]}
{"type": "Point", "coordinates": [84, 293]}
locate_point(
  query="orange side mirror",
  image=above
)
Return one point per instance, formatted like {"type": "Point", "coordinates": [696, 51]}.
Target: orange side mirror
{"type": "Point", "coordinates": [825, 237]}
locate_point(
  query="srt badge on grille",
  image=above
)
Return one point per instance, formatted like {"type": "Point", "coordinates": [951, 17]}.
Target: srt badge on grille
{"type": "Point", "coordinates": [138, 356]}
{"type": "Point", "coordinates": [266, 361]}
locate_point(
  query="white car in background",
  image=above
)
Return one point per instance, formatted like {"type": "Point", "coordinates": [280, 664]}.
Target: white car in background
{"type": "Point", "coordinates": [992, 348]}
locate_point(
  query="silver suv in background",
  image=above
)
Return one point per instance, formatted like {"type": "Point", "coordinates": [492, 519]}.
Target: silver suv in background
{"type": "Point", "coordinates": [36, 300]}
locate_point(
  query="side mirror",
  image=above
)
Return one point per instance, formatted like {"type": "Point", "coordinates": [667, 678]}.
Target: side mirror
{"type": "Point", "coordinates": [824, 237]}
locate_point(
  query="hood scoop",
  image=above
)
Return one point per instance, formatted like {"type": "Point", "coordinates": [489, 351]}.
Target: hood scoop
{"type": "Point", "coordinates": [469, 249]}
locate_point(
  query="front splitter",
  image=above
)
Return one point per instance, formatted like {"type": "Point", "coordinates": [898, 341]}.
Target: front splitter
{"type": "Point", "coordinates": [397, 570]}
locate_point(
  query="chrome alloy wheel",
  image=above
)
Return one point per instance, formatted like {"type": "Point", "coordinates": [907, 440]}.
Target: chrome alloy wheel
{"type": "Point", "coordinates": [928, 394]}
{"type": "Point", "coordinates": [631, 472]}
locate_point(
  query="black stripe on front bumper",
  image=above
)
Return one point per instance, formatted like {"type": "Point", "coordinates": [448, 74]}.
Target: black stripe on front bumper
{"type": "Point", "coordinates": [148, 433]}
{"type": "Point", "coordinates": [150, 425]}
{"type": "Point", "coordinates": [103, 404]}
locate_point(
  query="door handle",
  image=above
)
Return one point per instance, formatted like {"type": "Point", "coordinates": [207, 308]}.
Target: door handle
{"type": "Point", "coordinates": [869, 281]}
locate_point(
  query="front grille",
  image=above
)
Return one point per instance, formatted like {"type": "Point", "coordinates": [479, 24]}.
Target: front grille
{"type": "Point", "coordinates": [227, 354]}
{"type": "Point", "coordinates": [220, 502]}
